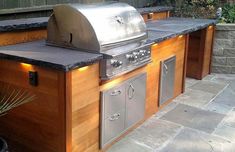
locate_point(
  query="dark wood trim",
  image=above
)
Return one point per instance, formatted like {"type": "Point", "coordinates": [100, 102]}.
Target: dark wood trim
{"type": "Point", "coordinates": [212, 48]}
{"type": "Point", "coordinates": [68, 112]}
{"type": "Point", "coordinates": [185, 62]}
{"type": "Point", "coordinates": [62, 97]}
{"type": "Point", "coordinates": [202, 53]}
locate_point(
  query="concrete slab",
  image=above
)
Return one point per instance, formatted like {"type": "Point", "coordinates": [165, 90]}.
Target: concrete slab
{"type": "Point", "coordinates": [225, 132]}
{"type": "Point", "coordinates": [232, 85]}
{"type": "Point", "coordinates": [209, 77]}
{"type": "Point", "coordinates": [166, 109]}
{"type": "Point", "coordinates": [193, 117]}
{"type": "Point", "coordinates": [129, 145]}
{"type": "Point", "coordinates": [228, 147]}
{"type": "Point", "coordinates": [155, 133]}
{"type": "Point", "coordinates": [195, 98]}
{"type": "Point", "coordinates": [227, 97]}
{"type": "Point", "coordinates": [190, 82]}
{"type": "Point", "coordinates": [210, 87]}
{"type": "Point", "coordinates": [218, 107]}
{"type": "Point", "coordinates": [189, 140]}
{"type": "Point", "coordinates": [224, 78]}
{"type": "Point", "coordinates": [229, 120]}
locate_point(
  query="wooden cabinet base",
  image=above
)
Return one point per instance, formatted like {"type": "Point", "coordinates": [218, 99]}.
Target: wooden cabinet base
{"type": "Point", "coordinates": [39, 125]}
{"type": "Point", "coordinates": [10, 38]}
{"type": "Point", "coordinates": [199, 53]}
{"type": "Point", "coordinates": [156, 16]}
{"type": "Point", "coordinates": [173, 47]}
{"type": "Point", "coordinates": [65, 117]}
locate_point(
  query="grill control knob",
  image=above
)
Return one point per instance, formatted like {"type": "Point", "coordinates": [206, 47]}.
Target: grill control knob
{"type": "Point", "coordinates": [136, 55]}
{"type": "Point", "coordinates": [143, 51]}
{"type": "Point", "coordinates": [131, 57]}
{"type": "Point", "coordinates": [116, 63]}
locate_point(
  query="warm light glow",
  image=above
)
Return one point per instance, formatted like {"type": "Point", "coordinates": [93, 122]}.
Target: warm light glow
{"type": "Point", "coordinates": [180, 36]}
{"type": "Point", "coordinates": [111, 84]}
{"type": "Point", "coordinates": [83, 68]}
{"type": "Point", "coordinates": [156, 44]}
{"type": "Point", "coordinates": [210, 27]}
{"type": "Point", "coordinates": [26, 66]}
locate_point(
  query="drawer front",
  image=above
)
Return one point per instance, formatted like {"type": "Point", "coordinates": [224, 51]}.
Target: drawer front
{"type": "Point", "coordinates": [114, 100]}
{"type": "Point", "coordinates": [113, 126]}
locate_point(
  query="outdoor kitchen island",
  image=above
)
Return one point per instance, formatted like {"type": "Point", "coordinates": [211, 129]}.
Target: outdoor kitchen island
{"type": "Point", "coordinates": [66, 115]}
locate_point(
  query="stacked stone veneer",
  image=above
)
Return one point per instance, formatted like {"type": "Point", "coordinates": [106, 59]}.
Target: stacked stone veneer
{"type": "Point", "coordinates": [223, 60]}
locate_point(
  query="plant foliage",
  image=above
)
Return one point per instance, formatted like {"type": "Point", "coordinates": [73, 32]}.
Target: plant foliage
{"type": "Point", "coordinates": [12, 97]}
{"type": "Point", "coordinates": [228, 14]}
{"type": "Point", "coordinates": [192, 8]}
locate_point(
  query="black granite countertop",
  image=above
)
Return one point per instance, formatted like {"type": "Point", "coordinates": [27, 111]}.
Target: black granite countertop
{"type": "Point", "coordinates": [164, 29]}
{"type": "Point", "coordinates": [23, 24]}
{"type": "Point", "coordinates": [41, 22]}
{"type": "Point", "coordinates": [38, 53]}
{"type": "Point", "coordinates": [154, 9]}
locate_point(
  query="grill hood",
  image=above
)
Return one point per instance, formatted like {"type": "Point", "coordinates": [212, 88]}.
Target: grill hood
{"type": "Point", "coordinates": [95, 27]}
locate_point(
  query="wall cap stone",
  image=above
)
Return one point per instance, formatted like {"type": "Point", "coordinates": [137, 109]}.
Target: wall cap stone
{"type": "Point", "coordinates": [225, 27]}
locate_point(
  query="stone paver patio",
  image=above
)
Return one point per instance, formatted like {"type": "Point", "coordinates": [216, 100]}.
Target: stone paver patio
{"type": "Point", "coordinates": [200, 120]}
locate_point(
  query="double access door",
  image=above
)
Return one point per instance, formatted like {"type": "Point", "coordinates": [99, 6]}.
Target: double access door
{"type": "Point", "coordinates": [122, 107]}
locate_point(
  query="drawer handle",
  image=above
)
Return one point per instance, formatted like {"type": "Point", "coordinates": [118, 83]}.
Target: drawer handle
{"type": "Point", "coordinates": [114, 117]}
{"type": "Point", "coordinates": [116, 93]}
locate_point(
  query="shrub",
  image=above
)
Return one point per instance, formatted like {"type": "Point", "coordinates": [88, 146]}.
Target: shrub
{"type": "Point", "coordinates": [228, 14]}
{"type": "Point", "coordinates": [197, 9]}
{"type": "Point", "coordinates": [192, 8]}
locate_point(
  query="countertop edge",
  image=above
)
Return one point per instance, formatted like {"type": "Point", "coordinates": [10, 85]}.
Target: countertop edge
{"type": "Point", "coordinates": [50, 65]}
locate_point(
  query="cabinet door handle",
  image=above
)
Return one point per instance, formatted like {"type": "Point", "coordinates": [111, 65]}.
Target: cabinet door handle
{"type": "Point", "coordinates": [114, 117]}
{"type": "Point", "coordinates": [166, 67]}
{"type": "Point", "coordinates": [116, 92]}
{"type": "Point", "coordinates": [131, 91]}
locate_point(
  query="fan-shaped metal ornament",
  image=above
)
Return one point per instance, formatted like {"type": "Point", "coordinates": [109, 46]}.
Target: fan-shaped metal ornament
{"type": "Point", "coordinates": [12, 97]}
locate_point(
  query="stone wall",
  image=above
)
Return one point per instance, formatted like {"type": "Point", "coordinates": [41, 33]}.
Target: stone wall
{"type": "Point", "coordinates": [223, 60]}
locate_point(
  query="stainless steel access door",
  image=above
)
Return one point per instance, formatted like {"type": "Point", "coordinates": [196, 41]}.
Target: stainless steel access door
{"type": "Point", "coordinates": [122, 107]}
{"type": "Point", "coordinates": [167, 79]}
{"type": "Point", "coordinates": [135, 100]}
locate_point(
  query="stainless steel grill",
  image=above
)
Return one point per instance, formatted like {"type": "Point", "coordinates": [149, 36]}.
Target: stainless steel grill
{"type": "Point", "coordinates": [114, 29]}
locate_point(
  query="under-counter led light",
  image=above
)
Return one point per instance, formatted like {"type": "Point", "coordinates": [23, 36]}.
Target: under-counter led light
{"type": "Point", "coordinates": [156, 44]}
{"type": "Point", "coordinates": [26, 66]}
{"type": "Point", "coordinates": [180, 36]}
{"type": "Point", "coordinates": [83, 68]}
